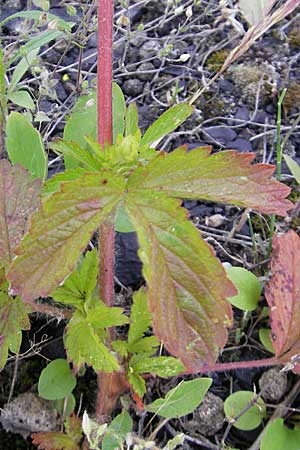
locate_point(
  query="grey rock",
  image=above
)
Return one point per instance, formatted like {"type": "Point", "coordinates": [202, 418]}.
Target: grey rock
{"type": "Point", "coordinates": [240, 144]}
{"type": "Point", "coordinates": [221, 134]}
{"type": "Point", "coordinates": [226, 86]}
{"type": "Point", "coordinates": [208, 417]}
{"type": "Point", "coordinates": [242, 113]}
{"type": "Point", "coordinates": [149, 49]}
{"type": "Point", "coordinates": [146, 67]}
{"type": "Point", "coordinates": [274, 384]}
{"type": "Point", "coordinates": [133, 87]}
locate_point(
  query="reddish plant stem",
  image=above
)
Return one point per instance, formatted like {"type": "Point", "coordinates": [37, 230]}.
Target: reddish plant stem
{"type": "Point", "coordinates": [110, 386]}
{"type": "Point", "coordinates": [222, 367]}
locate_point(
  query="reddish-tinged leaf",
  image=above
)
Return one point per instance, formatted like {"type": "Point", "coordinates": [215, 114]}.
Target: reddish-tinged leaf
{"type": "Point", "coordinates": [61, 441]}
{"type": "Point", "coordinates": [283, 295]}
{"type": "Point", "coordinates": [60, 230]}
{"type": "Point", "coordinates": [187, 285]}
{"type": "Point", "coordinates": [226, 177]}
{"type": "Point", "coordinates": [19, 197]}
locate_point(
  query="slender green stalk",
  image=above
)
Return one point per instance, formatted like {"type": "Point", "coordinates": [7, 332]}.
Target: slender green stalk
{"type": "Point", "coordinates": [3, 102]}
{"type": "Point", "coordinates": [278, 161]}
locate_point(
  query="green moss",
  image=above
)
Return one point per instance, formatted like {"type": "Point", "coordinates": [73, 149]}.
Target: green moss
{"type": "Point", "coordinates": [216, 60]}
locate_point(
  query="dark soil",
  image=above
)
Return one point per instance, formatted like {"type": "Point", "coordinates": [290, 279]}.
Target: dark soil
{"type": "Point", "coordinates": [162, 55]}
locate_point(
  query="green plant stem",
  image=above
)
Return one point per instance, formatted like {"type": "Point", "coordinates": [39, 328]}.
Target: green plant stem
{"type": "Point", "coordinates": [110, 386]}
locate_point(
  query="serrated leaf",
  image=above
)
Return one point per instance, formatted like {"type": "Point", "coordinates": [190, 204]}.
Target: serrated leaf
{"type": "Point", "coordinates": [181, 400]}
{"type": "Point", "coordinates": [140, 317]}
{"type": "Point", "coordinates": [248, 286]}
{"type": "Point", "coordinates": [74, 151]}
{"type": "Point", "coordinates": [293, 166]}
{"type": "Point", "coordinates": [166, 123]}
{"type": "Point", "coordinates": [122, 223]}
{"type": "Point", "coordinates": [146, 345]}
{"type": "Point", "coordinates": [56, 380]}
{"type": "Point", "coordinates": [277, 437]}
{"type": "Point", "coordinates": [283, 295]}
{"type": "Point", "coordinates": [120, 347]}
{"type": "Point", "coordinates": [24, 145]}
{"type": "Point", "coordinates": [117, 431]}
{"type": "Point", "coordinates": [19, 197]}
{"type": "Point", "coordinates": [102, 316]}
{"type": "Point", "coordinates": [60, 231]}
{"type": "Point", "coordinates": [226, 177]}
{"type": "Point", "coordinates": [187, 285]}
{"type": "Point", "coordinates": [23, 99]}
{"type": "Point", "coordinates": [132, 120]}
{"type": "Point", "coordinates": [54, 441]}
{"type": "Point", "coordinates": [53, 184]}
{"type": "Point", "coordinates": [88, 273]}
{"type": "Point", "coordinates": [137, 382]}
{"type": "Point", "coordinates": [70, 292]}
{"type": "Point", "coordinates": [84, 346]}
{"type": "Point", "coordinates": [252, 418]}
{"type": "Point", "coordinates": [13, 319]}
{"type": "Point", "coordinates": [118, 111]}
{"type": "Point", "coordinates": [163, 366]}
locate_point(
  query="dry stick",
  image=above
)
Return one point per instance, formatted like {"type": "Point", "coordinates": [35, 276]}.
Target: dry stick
{"type": "Point", "coordinates": [110, 386]}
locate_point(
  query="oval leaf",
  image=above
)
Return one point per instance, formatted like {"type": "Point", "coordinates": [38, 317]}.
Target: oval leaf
{"type": "Point", "coordinates": [265, 338]}
{"type": "Point", "coordinates": [277, 437]}
{"type": "Point", "coordinates": [56, 380]}
{"type": "Point", "coordinates": [235, 403]}
{"type": "Point", "coordinates": [181, 400]}
{"type": "Point", "coordinates": [248, 286]}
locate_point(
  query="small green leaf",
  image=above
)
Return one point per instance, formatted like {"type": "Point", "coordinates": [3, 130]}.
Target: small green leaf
{"type": "Point", "coordinates": [137, 382]}
{"type": "Point", "coordinates": [43, 4]}
{"type": "Point", "coordinates": [54, 184]}
{"type": "Point", "coordinates": [132, 120]}
{"type": "Point", "coordinates": [278, 437]}
{"type": "Point", "coordinates": [248, 286]}
{"type": "Point", "coordinates": [73, 151]}
{"type": "Point", "coordinates": [117, 431]}
{"type": "Point", "coordinates": [118, 111]}
{"type": "Point", "coordinates": [252, 418]}
{"type": "Point", "coordinates": [65, 410]}
{"type": "Point", "coordinates": [21, 68]}
{"type": "Point", "coordinates": [163, 366]}
{"type": "Point", "coordinates": [167, 123]}
{"type": "Point", "coordinates": [265, 338]}
{"type": "Point", "coordinates": [181, 400]}
{"type": "Point", "coordinates": [70, 292]}
{"type": "Point", "coordinates": [23, 99]}
{"type": "Point", "coordinates": [140, 317]}
{"type": "Point", "coordinates": [147, 345]}
{"type": "Point", "coordinates": [84, 346]}
{"type": "Point", "coordinates": [24, 145]}
{"type": "Point", "coordinates": [88, 273]}
{"type": "Point", "coordinates": [56, 380]}
{"type": "Point", "coordinates": [102, 316]}
{"type": "Point", "coordinates": [293, 166]}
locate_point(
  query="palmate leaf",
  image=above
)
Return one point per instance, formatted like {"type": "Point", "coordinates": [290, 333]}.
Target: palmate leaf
{"type": "Point", "coordinates": [13, 319]}
{"type": "Point", "coordinates": [85, 345]}
{"type": "Point", "coordinates": [19, 197]}
{"type": "Point", "coordinates": [60, 231]}
{"type": "Point", "coordinates": [187, 285]}
{"type": "Point", "coordinates": [225, 177]}
{"type": "Point", "coordinates": [283, 296]}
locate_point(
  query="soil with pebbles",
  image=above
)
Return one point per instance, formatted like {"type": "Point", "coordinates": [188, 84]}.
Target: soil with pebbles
{"type": "Point", "coordinates": [163, 52]}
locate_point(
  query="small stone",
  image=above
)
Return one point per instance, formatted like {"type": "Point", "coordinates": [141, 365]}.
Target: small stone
{"type": "Point", "coordinates": [240, 144]}
{"type": "Point", "coordinates": [133, 87]}
{"type": "Point", "coordinates": [210, 415]}
{"type": "Point", "coordinates": [149, 49]}
{"type": "Point", "coordinates": [221, 134]}
{"type": "Point", "coordinates": [215, 221]}
{"type": "Point", "coordinates": [146, 67]}
{"type": "Point", "coordinates": [275, 383]}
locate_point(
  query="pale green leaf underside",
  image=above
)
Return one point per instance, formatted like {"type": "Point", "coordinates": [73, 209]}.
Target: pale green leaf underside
{"type": "Point", "coordinates": [140, 317]}
{"type": "Point", "coordinates": [84, 346]}
{"type": "Point", "coordinates": [60, 231]}
{"type": "Point", "coordinates": [225, 177]}
{"type": "Point", "coordinates": [187, 285]}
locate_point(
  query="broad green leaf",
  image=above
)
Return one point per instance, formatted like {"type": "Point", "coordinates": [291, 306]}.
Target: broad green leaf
{"type": "Point", "coordinates": [293, 166]}
{"type": "Point", "coordinates": [53, 184]}
{"type": "Point", "coordinates": [117, 431]}
{"type": "Point", "coordinates": [167, 123]}
{"type": "Point", "coordinates": [19, 197]}
{"type": "Point", "coordinates": [40, 16]}
{"type": "Point", "coordinates": [252, 418]}
{"type": "Point", "coordinates": [132, 120]}
{"type": "Point", "coordinates": [187, 285]}
{"type": "Point", "coordinates": [137, 382]}
{"type": "Point", "coordinates": [24, 145]}
{"type": "Point", "coordinates": [140, 317]}
{"type": "Point", "coordinates": [102, 316]}
{"type": "Point", "coordinates": [118, 111]}
{"type": "Point", "coordinates": [82, 122]}
{"type": "Point", "coordinates": [56, 380]}
{"type": "Point", "coordinates": [13, 319]}
{"type": "Point", "coordinates": [181, 400]}
{"type": "Point", "coordinates": [84, 346]}
{"type": "Point", "coordinates": [23, 99]}
{"type": "Point", "coordinates": [65, 409]}
{"type": "Point", "coordinates": [265, 338]}
{"type": "Point", "coordinates": [248, 286]}
{"type": "Point", "coordinates": [163, 366]}
{"type": "Point", "coordinates": [61, 230]}
{"type": "Point", "coordinates": [278, 437]}
{"type": "Point", "coordinates": [21, 68]}
{"type": "Point", "coordinates": [226, 177]}
{"type": "Point", "coordinates": [255, 10]}
{"type": "Point", "coordinates": [82, 156]}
